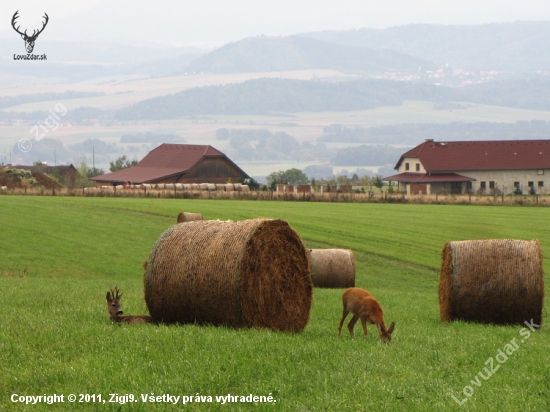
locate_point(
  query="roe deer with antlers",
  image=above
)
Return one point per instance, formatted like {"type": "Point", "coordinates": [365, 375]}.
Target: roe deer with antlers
{"type": "Point", "coordinates": [364, 306]}
{"type": "Point", "coordinates": [115, 311]}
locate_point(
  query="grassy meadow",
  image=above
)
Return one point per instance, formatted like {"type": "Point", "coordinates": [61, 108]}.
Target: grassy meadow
{"type": "Point", "coordinates": [60, 255]}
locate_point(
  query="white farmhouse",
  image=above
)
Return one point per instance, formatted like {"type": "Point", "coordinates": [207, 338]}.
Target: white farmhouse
{"type": "Point", "coordinates": [496, 166]}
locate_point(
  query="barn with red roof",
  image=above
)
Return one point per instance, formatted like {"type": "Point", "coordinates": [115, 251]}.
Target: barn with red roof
{"type": "Point", "coordinates": [177, 163]}
{"type": "Point", "coordinates": [491, 167]}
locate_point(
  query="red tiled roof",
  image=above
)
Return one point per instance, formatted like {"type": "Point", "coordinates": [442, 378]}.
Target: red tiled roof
{"type": "Point", "coordinates": [426, 178]}
{"type": "Point", "coordinates": [481, 155]}
{"type": "Point", "coordinates": [164, 161]}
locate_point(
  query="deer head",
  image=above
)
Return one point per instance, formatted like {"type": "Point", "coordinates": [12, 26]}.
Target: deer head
{"type": "Point", "coordinates": [113, 302]}
{"type": "Point", "coordinates": [29, 40]}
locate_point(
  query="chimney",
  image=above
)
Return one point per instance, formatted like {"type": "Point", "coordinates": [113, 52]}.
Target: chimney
{"type": "Point", "coordinates": [429, 140]}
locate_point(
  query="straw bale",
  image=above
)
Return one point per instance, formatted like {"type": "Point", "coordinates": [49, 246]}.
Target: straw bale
{"type": "Point", "coordinates": [251, 273]}
{"type": "Point", "coordinates": [211, 186]}
{"type": "Point", "coordinates": [332, 268]}
{"type": "Point", "coordinates": [178, 186]}
{"type": "Point", "coordinates": [244, 188]}
{"type": "Point", "coordinates": [189, 217]}
{"type": "Point", "coordinates": [229, 187]}
{"type": "Point", "coordinates": [492, 281]}
{"type": "Point", "coordinates": [169, 186]}
{"type": "Point", "coordinates": [147, 186]}
{"type": "Point", "coordinates": [237, 186]}
{"type": "Point", "coordinates": [159, 186]}
{"type": "Point", "coordinates": [187, 186]}
{"type": "Point", "coordinates": [195, 186]}
{"type": "Point", "coordinates": [220, 186]}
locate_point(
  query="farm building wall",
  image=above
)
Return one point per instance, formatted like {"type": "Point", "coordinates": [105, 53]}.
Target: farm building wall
{"type": "Point", "coordinates": [506, 180]}
{"type": "Point", "coordinates": [212, 170]}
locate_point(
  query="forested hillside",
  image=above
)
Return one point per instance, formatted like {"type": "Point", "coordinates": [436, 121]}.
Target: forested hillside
{"type": "Point", "coordinates": [513, 47]}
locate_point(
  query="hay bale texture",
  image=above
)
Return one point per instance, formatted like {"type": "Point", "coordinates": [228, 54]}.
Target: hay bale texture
{"type": "Point", "coordinates": [332, 268]}
{"type": "Point", "coordinates": [189, 217]}
{"type": "Point", "coordinates": [492, 281]}
{"type": "Point", "coordinates": [251, 273]}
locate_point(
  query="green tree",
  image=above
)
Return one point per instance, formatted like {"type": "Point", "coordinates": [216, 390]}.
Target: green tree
{"type": "Point", "coordinates": [377, 181]}
{"type": "Point", "coordinates": [86, 173]}
{"type": "Point", "coordinates": [288, 177]}
{"type": "Point", "coordinates": [121, 163]}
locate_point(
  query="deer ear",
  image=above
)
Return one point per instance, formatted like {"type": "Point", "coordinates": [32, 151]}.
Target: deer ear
{"type": "Point", "coordinates": [392, 326]}
{"type": "Point", "coordinates": [109, 296]}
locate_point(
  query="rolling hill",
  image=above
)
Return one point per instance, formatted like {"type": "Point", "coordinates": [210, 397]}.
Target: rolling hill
{"type": "Point", "coordinates": [297, 53]}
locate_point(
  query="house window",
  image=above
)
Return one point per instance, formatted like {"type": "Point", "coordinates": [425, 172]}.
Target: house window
{"type": "Point", "coordinates": [531, 184]}
{"type": "Point", "coordinates": [492, 184]}
{"type": "Point", "coordinates": [516, 185]}
{"type": "Point", "coordinates": [418, 167]}
{"type": "Point", "coordinates": [406, 166]}
{"type": "Point", "coordinates": [540, 171]}
{"type": "Point", "coordinates": [541, 183]}
{"type": "Point", "coordinates": [483, 185]}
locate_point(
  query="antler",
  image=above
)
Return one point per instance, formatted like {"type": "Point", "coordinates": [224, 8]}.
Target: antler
{"type": "Point", "coordinates": [116, 293]}
{"type": "Point", "coordinates": [43, 26]}
{"type": "Point", "coordinates": [15, 16]}
{"type": "Point", "coordinates": [34, 33]}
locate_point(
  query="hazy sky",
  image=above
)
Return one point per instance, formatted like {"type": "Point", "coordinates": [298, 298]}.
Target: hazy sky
{"type": "Point", "coordinates": [214, 22]}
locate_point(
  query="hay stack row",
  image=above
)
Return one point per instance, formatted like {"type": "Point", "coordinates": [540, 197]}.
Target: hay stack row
{"type": "Point", "coordinates": [257, 273]}
{"type": "Point", "coordinates": [226, 187]}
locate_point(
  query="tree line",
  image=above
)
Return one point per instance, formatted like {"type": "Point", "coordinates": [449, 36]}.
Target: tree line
{"type": "Point", "coordinates": [276, 96]}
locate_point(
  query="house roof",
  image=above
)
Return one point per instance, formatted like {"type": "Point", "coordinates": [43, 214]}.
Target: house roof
{"type": "Point", "coordinates": [442, 157]}
{"type": "Point", "coordinates": [426, 178]}
{"type": "Point", "coordinates": [165, 161]}
{"type": "Point", "coordinates": [45, 169]}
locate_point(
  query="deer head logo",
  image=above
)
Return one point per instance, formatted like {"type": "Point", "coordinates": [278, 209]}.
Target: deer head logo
{"type": "Point", "coordinates": [29, 40]}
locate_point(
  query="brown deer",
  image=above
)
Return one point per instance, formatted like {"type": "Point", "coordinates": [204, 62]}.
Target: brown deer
{"type": "Point", "coordinates": [365, 307]}
{"type": "Point", "coordinates": [115, 311]}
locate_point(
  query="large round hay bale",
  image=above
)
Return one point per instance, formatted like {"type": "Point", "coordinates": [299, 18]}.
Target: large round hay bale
{"type": "Point", "coordinates": [251, 273]}
{"type": "Point", "coordinates": [332, 268]}
{"type": "Point", "coordinates": [189, 217]}
{"type": "Point", "coordinates": [492, 281]}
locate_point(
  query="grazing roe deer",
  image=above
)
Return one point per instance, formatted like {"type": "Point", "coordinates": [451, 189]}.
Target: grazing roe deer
{"type": "Point", "coordinates": [365, 307]}
{"type": "Point", "coordinates": [115, 311]}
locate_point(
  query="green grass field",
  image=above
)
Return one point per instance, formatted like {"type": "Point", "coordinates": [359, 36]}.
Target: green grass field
{"type": "Point", "coordinates": [60, 255]}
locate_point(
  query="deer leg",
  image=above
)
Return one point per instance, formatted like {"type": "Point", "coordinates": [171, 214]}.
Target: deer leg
{"type": "Point", "coordinates": [344, 315]}
{"type": "Point", "coordinates": [351, 324]}
{"type": "Point", "coordinates": [364, 324]}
